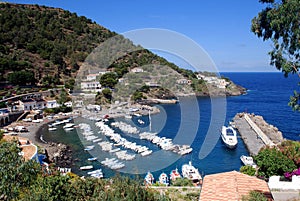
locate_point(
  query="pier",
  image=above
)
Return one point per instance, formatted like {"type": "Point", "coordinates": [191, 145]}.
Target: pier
{"type": "Point", "coordinates": [256, 132]}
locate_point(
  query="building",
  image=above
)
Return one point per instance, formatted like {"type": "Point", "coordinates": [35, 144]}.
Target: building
{"type": "Point", "coordinates": [27, 104]}
{"type": "Point", "coordinates": [91, 77]}
{"type": "Point", "coordinates": [232, 186]}
{"type": "Point", "coordinates": [137, 70]}
{"type": "Point", "coordinates": [52, 104]}
{"type": "Point", "coordinates": [90, 86]}
{"type": "Point", "coordinates": [183, 81]}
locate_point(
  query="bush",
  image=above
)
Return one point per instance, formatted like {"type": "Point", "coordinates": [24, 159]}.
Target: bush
{"type": "Point", "coordinates": [249, 170]}
{"type": "Point", "coordinates": [254, 196]}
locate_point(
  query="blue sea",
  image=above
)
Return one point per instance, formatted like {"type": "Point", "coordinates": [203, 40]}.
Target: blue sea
{"type": "Point", "coordinates": [197, 121]}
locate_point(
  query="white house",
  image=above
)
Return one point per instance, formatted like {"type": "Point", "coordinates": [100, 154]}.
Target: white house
{"type": "Point", "coordinates": [184, 81]}
{"type": "Point", "coordinates": [91, 77]}
{"type": "Point", "coordinates": [137, 70]}
{"type": "Point", "coordinates": [28, 104]}
{"type": "Point", "coordinates": [90, 86]}
{"type": "Point", "coordinates": [52, 104]}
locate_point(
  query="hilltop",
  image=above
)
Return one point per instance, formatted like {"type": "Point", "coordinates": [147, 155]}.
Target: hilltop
{"type": "Point", "coordinates": [45, 47]}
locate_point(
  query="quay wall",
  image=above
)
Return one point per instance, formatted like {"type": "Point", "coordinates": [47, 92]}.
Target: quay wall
{"type": "Point", "coordinates": [256, 132]}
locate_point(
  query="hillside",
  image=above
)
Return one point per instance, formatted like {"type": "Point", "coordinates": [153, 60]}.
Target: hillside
{"type": "Point", "coordinates": [46, 46]}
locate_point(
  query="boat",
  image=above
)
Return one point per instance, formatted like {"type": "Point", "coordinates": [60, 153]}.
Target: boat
{"type": "Point", "coordinates": [68, 125]}
{"type": "Point", "coordinates": [141, 121]}
{"type": "Point", "coordinates": [229, 137]}
{"type": "Point", "coordinates": [88, 148]}
{"type": "Point", "coordinates": [248, 160]}
{"type": "Point", "coordinates": [95, 171]}
{"type": "Point", "coordinates": [174, 174]}
{"type": "Point", "coordinates": [87, 167]}
{"type": "Point", "coordinates": [52, 129]}
{"type": "Point", "coordinates": [192, 173]}
{"type": "Point", "coordinates": [68, 129]}
{"type": "Point", "coordinates": [92, 159]}
{"type": "Point", "coordinates": [149, 179]}
{"type": "Point", "coordinates": [163, 179]}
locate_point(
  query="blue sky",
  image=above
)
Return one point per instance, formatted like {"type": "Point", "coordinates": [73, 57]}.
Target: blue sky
{"type": "Point", "coordinates": [221, 28]}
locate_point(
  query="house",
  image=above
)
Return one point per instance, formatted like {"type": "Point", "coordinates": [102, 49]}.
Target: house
{"type": "Point", "coordinates": [41, 104]}
{"type": "Point", "coordinates": [137, 70]}
{"type": "Point", "coordinates": [51, 104]}
{"type": "Point", "coordinates": [90, 86]}
{"type": "Point", "coordinates": [27, 104]}
{"type": "Point", "coordinates": [68, 104]}
{"type": "Point", "coordinates": [232, 186]}
{"type": "Point", "coordinates": [183, 81]}
{"type": "Point", "coordinates": [91, 77]}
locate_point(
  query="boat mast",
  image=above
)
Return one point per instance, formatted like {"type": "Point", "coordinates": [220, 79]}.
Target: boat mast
{"type": "Point", "coordinates": [150, 121]}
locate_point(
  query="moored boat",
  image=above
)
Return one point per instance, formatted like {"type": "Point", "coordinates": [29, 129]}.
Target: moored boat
{"type": "Point", "coordinates": [229, 137]}
{"type": "Point", "coordinates": [174, 174]}
{"type": "Point", "coordinates": [163, 179]}
{"type": "Point", "coordinates": [52, 129]}
{"type": "Point", "coordinates": [92, 159]}
{"type": "Point", "coordinates": [149, 179]}
{"type": "Point", "coordinates": [87, 167]}
{"type": "Point", "coordinates": [192, 173]}
{"type": "Point", "coordinates": [248, 160]}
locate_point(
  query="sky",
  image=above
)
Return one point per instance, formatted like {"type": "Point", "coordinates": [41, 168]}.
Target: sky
{"type": "Point", "coordinates": [221, 28]}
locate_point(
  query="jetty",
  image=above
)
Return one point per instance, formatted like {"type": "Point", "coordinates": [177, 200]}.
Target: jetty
{"type": "Point", "coordinates": [256, 132]}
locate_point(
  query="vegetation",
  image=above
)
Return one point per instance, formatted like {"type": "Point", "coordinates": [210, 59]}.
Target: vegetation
{"type": "Point", "coordinates": [279, 22]}
{"type": "Point", "coordinates": [182, 182]}
{"type": "Point", "coordinates": [273, 162]}
{"type": "Point", "coordinates": [22, 180]}
{"type": "Point", "coordinates": [291, 149]}
{"type": "Point", "coordinates": [247, 169]}
{"type": "Point", "coordinates": [255, 196]}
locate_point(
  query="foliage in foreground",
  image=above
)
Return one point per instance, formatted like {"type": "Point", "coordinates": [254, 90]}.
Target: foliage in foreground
{"type": "Point", "coordinates": [273, 162]}
{"type": "Point", "coordinates": [247, 169]}
{"type": "Point", "coordinates": [279, 22]}
{"type": "Point", "coordinates": [254, 196]}
{"type": "Point", "coordinates": [22, 180]}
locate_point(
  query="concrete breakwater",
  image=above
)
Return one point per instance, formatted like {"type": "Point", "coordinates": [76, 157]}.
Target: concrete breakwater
{"type": "Point", "coordinates": [256, 132]}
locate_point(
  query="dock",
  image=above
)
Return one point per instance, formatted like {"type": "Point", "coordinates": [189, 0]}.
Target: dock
{"type": "Point", "coordinates": [256, 132]}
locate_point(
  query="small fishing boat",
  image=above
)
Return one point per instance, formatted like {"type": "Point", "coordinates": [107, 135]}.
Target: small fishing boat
{"type": "Point", "coordinates": [52, 129]}
{"type": "Point", "coordinates": [174, 174]}
{"type": "Point", "coordinates": [92, 159]}
{"type": "Point", "coordinates": [88, 148]}
{"type": "Point", "coordinates": [141, 121]}
{"type": "Point", "coordinates": [229, 137]}
{"type": "Point", "coordinates": [248, 160]}
{"type": "Point", "coordinates": [163, 179]}
{"type": "Point", "coordinates": [68, 125]}
{"type": "Point", "coordinates": [87, 167]}
{"type": "Point", "coordinates": [149, 179]}
{"type": "Point", "coordinates": [69, 129]}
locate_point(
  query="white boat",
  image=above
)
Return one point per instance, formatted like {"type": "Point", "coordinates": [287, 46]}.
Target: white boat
{"type": "Point", "coordinates": [248, 160]}
{"type": "Point", "coordinates": [229, 137]}
{"type": "Point", "coordinates": [88, 148]}
{"type": "Point", "coordinates": [52, 129]}
{"type": "Point", "coordinates": [87, 167]}
{"type": "Point", "coordinates": [95, 171]}
{"type": "Point", "coordinates": [149, 179]}
{"type": "Point", "coordinates": [68, 125]}
{"type": "Point", "coordinates": [141, 121]}
{"type": "Point", "coordinates": [68, 129]}
{"type": "Point", "coordinates": [190, 172]}
{"type": "Point", "coordinates": [163, 179]}
{"type": "Point", "coordinates": [174, 174]}
{"type": "Point", "coordinates": [92, 159]}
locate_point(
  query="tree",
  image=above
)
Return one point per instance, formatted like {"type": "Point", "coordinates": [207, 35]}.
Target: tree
{"type": "Point", "coordinates": [109, 80]}
{"type": "Point", "coordinates": [15, 174]}
{"type": "Point", "coordinates": [279, 22]}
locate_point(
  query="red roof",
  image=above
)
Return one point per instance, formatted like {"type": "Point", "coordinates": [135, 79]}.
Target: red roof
{"type": "Point", "coordinates": [232, 186]}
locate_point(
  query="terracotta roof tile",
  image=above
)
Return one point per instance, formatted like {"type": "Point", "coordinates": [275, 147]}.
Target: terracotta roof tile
{"type": "Point", "coordinates": [231, 186]}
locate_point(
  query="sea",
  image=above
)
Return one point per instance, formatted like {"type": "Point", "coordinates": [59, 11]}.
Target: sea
{"type": "Point", "coordinates": [195, 121]}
